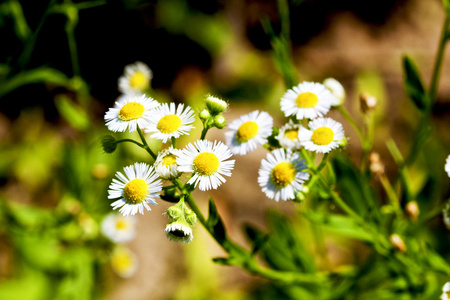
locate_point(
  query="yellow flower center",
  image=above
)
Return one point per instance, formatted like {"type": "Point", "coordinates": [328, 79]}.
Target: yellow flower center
{"type": "Point", "coordinates": [169, 124]}
{"type": "Point", "coordinates": [322, 136]}
{"type": "Point", "coordinates": [306, 100]}
{"type": "Point", "coordinates": [131, 111]}
{"type": "Point", "coordinates": [246, 131]}
{"type": "Point", "coordinates": [135, 191]}
{"type": "Point", "coordinates": [206, 163]}
{"type": "Point", "coordinates": [138, 80]}
{"type": "Point", "coordinates": [121, 261]}
{"type": "Point", "coordinates": [283, 174]}
{"type": "Point", "coordinates": [169, 160]}
{"type": "Point", "coordinates": [121, 224]}
{"type": "Point", "coordinates": [291, 134]}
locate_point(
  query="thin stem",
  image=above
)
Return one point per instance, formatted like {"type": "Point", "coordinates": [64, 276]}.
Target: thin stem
{"type": "Point", "coordinates": [146, 147]}
{"type": "Point", "coordinates": [438, 64]}
{"type": "Point", "coordinates": [323, 162]}
{"type": "Point", "coordinates": [352, 122]}
{"type": "Point", "coordinates": [174, 142]}
{"type": "Point", "coordinates": [204, 131]}
{"type": "Point", "coordinates": [392, 196]}
{"type": "Point", "coordinates": [131, 141]}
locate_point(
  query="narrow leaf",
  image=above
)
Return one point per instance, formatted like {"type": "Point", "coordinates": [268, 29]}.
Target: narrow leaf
{"type": "Point", "coordinates": [413, 84]}
{"type": "Point", "coordinates": [257, 237]}
{"type": "Point", "coordinates": [215, 222]}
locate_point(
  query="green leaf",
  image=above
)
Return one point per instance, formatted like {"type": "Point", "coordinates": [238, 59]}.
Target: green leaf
{"type": "Point", "coordinates": [413, 84]}
{"type": "Point", "coordinates": [38, 75]}
{"type": "Point", "coordinates": [284, 249]}
{"type": "Point", "coordinates": [215, 222]}
{"type": "Point", "coordinates": [339, 224]}
{"type": "Point", "coordinates": [256, 236]}
{"type": "Point", "coordinates": [446, 4]}
{"type": "Point", "coordinates": [437, 263]}
{"type": "Point", "coordinates": [72, 113]}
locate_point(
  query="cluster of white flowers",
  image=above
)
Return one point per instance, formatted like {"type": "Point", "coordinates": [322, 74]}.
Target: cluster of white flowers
{"type": "Point", "coordinates": [283, 172]}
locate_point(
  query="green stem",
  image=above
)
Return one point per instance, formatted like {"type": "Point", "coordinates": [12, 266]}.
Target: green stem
{"type": "Point", "coordinates": [174, 142]}
{"type": "Point", "coordinates": [204, 131]}
{"type": "Point", "coordinates": [392, 196]}
{"type": "Point", "coordinates": [438, 64]}
{"type": "Point", "coordinates": [352, 122]}
{"type": "Point", "coordinates": [146, 147]}
{"type": "Point", "coordinates": [131, 141]}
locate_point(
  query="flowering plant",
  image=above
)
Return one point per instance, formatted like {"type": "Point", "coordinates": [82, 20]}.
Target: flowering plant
{"type": "Point", "coordinates": [306, 163]}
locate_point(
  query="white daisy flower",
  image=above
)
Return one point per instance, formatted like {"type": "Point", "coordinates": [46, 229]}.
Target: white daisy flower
{"type": "Point", "coordinates": [179, 231]}
{"type": "Point", "coordinates": [166, 163]}
{"type": "Point", "coordinates": [282, 174]}
{"type": "Point", "coordinates": [208, 163]}
{"type": "Point", "coordinates": [307, 100]}
{"type": "Point", "coordinates": [447, 165]}
{"type": "Point", "coordinates": [124, 262]}
{"type": "Point", "coordinates": [288, 136]}
{"type": "Point", "coordinates": [324, 134]}
{"type": "Point", "coordinates": [135, 79]}
{"type": "Point", "coordinates": [336, 89]}
{"type": "Point", "coordinates": [135, 190]}
{"type": "Point", "coordinates": [118, 228]}
{"type": "Point", "coordinates": [446, 291]}
{"type": "Point", "coordinates": [249, 131]}
{"type": "Point", "coordinates": [129, 112]}
{"type": "Point", "coordinates": [167, 122]}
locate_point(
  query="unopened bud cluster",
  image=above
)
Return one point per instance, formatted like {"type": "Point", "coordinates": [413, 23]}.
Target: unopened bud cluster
{"type": "Point", "coordinates": [376, 165]}
{"type": "Point", "coordinates": [212, 116]}
{"type": "Point", "coordinates": [368, 102]}
{"type": "Point", "coordinates": [183, 219]}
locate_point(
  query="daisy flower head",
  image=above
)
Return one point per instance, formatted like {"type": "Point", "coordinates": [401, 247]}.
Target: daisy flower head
{"type": "Point", "coordinates": [179, 231]}
{"type": "Point", "coordinates": [282, 174]}
{"type": "Point", "coordinates": [124, 262]}
{"type": "Point", "coordinates": [336, 89]}
{"type": "Point", "coordinates": [130, 111]}
{"type": "Point", "coordinates": [166, 163]}
{"type": "Point", "coordinates": [307, 100]}
{"type": "Point", "coordinates": [446, 291]}
{"type": "Point", "coordinates": [447, 165]}
{"type": "Point", "coordinates": [135, 190]}
{"type": "Point", "coordinates": [166, 121]}
{"type": "Point", "coordinates": [288, 136]}
{"type": "Point", "coordinates": [323, 135]}
{"type": "Point", "coordinates": [208, 162]}
{"type": "Point", "coordinates": [118, 228]}
{"type": "Point", "coordinates": [249, 131]}
{"type": "Point", "coordinates": [135, 79]}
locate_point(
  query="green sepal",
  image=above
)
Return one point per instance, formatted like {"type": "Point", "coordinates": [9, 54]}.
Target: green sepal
{"type": "Point", "coordinates": [413, 84]}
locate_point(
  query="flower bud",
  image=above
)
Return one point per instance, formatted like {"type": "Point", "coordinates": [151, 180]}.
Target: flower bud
{"type": "Point", "coordinates": [204, 115]}
{"type": "Point", "coordinates": [179, 231]}
{"type": "Point", "coordinates": [220, 121]}
{"type": "Point", "coordinates": [109, 144]}
{"type": "Point", "coordinates": [191, 217]}
{"type": "Point", "coordinates": [367, 102]}
{"type": "Point", "coordinates": [412, 210]}
{"type": "Point", "coordinates": [336, 89]}
{"type": "Point", "coordinates": [215, 105]}
{"type": "Point", "coordinates": [397, 242]}
{"type": "Point", "coordinates": [376, 166]}
{"type": "Point", "coordinates": [175, 212]}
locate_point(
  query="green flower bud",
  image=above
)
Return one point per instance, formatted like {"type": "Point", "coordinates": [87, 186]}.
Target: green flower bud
{"type": "Point", "coordinates": [215, 105]}
{"type": "Point", "coordinates": [191, 217]}
{"type": "Point", "coordinates": [109, 144]}
{"type": "Point", "coordinates": [220, 121]}
{"type": "Point", "coordinates": [175, 212]}
{"type": "Point", "coordinates": [204, 115]}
